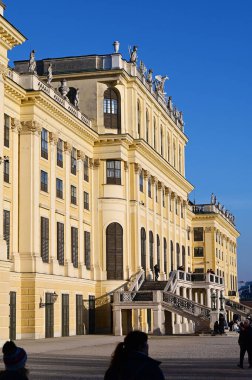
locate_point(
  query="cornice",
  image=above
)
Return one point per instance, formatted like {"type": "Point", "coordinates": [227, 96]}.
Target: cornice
{"type": "Point", "coordinates": [9, 35]}
{"type": "Point", "coordinates": [13, 90]}
{"type": "Point", "coordinates": [218, 218]}
{"type": "Point", "coordinates": [48, 105]}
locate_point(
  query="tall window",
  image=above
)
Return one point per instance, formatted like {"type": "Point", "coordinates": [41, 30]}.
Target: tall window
{"type": "Point", "coordinates": [198, 252]}
{"type": "Point", "coordinates": [86, 169]}
{"type": "Point", "coordinates": [60, 243]}
{"type": "Point", "coordinates": [73, 195]}
{"type": "Point", "coordinates": [44, 143]}
{"type": "Point", "coordinates": [165, 255]}
{"type": "Point", "coordinates": [60, 153]}
{"type": "Point", "coordinates": [113, 172]}
{"type": "Point", "coordinates": [183, 256]}
{"type": "Point", "coordinates": [161, 141]}
{"type": "Point", "coordinates": [149, 187]}
{"type": "Point", "coordinates": [171, 253]}
{"type": "Point", "coordinates": [59, 188]}
{"type": "Point", "coordinates": [147, 126]}
{"type": "Point", "coordinates": [86, 200]}
{"type": "Point", "coordinates": [141, 181]}
{"type": "Point", "coordinates": [114, 251]}
{"type": "Point", "coordinates": [168, 147]}
{"type": "Point", "coordinates": [180, 160]}
{"type": "Point", "coordinates": [163, 193]}
{"type": "Point", "coordinates": [154, 133]}
{"type": "Point", "coordinates": [143, 248]}
{"type": "Point", "coordinates": [174, 155]}
{"type": "Point", "coordinates": [87, 249]}
{"type": "Point", "coordinates": [178, 253]}
{"type": "Point", "coordinates": [6, 230]}
{"type": "Point", "coordinates": [151, 245]}
{"type": "Point", "coordinates": [73, 161]}
{"type": "Point", "coordinates": [6, 131]}
{"type": "Point", "coordinates": [43, 181]}
{"type": "Point", "coordinates": [138, 118]}
{"type": "Point", "coordinates": [158, 251]}
{"type": "Point", "coordinates": [111, 109]}
{"type": "Point", "coordinates": [74, 246]}
{"type": "Point", "coordinates": [6, 171]}
{"type": "Point", "coordinates": [44, 239]}
{"type": "Point", "coordinates": [156, 188]}
{"type": "Point", "coordinates": [198, 233]}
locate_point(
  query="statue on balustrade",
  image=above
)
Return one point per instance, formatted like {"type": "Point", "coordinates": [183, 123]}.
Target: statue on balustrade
{"type": "Point", "coordinates": [142, 68]}
{"type": "Point", "coordinates": [169, 104]}
{"type": "Point", "coordinates": [32, 63]}
{"type": "Point", "coordinates": [149, 76]}
{"type": "Point", "coordinates": [77, 98]}
{"type": "Point", "coordinates": [160, 82]}
{"type": "Point", "coordinates": [49, 74]}
{"type": "Point", "coordinates": [133, 54]}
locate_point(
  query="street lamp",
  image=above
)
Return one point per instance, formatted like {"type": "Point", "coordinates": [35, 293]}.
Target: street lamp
{"type": "Point", "coordinates": [54, 299]}
{"type": "Point", "coordinates": [222, 299]}
{"type": "Point", "coordinates": [213, 301]}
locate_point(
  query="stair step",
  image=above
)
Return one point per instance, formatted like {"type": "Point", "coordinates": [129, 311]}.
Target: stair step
{"type": "Point", "coordinates": [153, 285]}
{"type": "Point", "coordinates": [143, 297]}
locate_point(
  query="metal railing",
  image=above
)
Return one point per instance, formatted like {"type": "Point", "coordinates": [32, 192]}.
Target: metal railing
{"type": "Point", "coordinates": [238, 307]}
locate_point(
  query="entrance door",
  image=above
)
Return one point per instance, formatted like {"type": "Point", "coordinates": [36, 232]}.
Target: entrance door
{"type": "Point", "coordinates": [49, 315]}
{"type": "Point", "coordinates": [91, 315]}
{"type": "Point", "coordinates": [65, 314]}
{"type": "Point", "coordinates": [12, 331]}
{"type": "Point", "coordinates": [79, 315]}
{"type": "Point", "coordinates": [114, 251]}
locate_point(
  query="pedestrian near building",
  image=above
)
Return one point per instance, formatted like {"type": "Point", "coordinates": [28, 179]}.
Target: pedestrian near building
{"type": "Point", "coordinates": [130, 360]}
{"type": "Point", "coordinates": [14, 359]}
{"type": "Point", "coordinates": [156, 272]}
{"type": "Point", "coordinates": [245, 342]}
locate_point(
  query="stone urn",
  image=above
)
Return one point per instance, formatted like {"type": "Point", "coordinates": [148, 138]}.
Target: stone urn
{"type": "Point", "coordinates": [116, 45]}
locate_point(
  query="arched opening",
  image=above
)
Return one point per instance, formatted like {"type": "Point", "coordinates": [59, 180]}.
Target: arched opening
{"type": "Point", "coordinates": [154, 133]}
{"type": "Point", "coordinates": [151, 243]}
{"type": "Point", "coordinates": [171, 253]}
{"type": "Point", "coordinates": [147, 126]}
{"type": "Point", "coordinates": [112, 109]}
{"type": "Point", "coordinates": [183, 256]}
{"type": "Point", "coordinates": [165, 256]}
{"type": "Point", "coordinates": [158, 251]}
{"type": "Point", "coordinates": [114, 251]}
{"type": "Point", "coordinates": [178, 253]}
{"type": "Point", "coordinates": [138, 118]}
{"type": "Point", "coordinates": [143, 248]}
{"type": "Point", "coordinates": [161, 141]}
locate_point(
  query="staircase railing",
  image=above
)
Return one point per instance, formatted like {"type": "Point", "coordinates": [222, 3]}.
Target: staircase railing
{"type": "Point", "coordinates": [238, 308]}
{"type": "Point", "coordinates": [188, 306]}
{"type": "Point", "coordinates": [172, 282]}
{"type": "Point", "coordinates": [136, 281]}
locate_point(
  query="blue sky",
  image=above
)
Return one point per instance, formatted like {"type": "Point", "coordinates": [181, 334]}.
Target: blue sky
{"type": "Point", "coordinates": [203, 46]}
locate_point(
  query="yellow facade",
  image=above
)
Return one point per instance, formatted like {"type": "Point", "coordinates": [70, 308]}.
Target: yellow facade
{"type": "Point", "coordinates": [148, 150]}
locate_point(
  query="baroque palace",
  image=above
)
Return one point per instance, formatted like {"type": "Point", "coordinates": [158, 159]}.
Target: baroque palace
{"type": "Point", "coordinates": [94, 195]}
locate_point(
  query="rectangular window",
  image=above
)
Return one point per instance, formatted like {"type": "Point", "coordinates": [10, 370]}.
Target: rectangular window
{"type": "Point", "coordinates": [73, 195]}
{"type": "Point", "coordinates": [86, 200]}
{"type": "Point", "coordinates": [60, 153]}
{"type": "Point", "coordinates": [149, 188]}
{"type": "Point", "coordinates": [6, 230]}
{"type": "Point", "coordinates": [156, 193]}
{"type": "Point", "coordinates": [198, 233]}
{"type": "Point", "coordinates": [74, 246]}
{"type": "Point", "coordinates": [59, 188]}
{"type": "Point", "coordinates": [44, 143]}
{"type": "Point", "coordinates": [198, 252]}
{"type": "Point", "coordinates": [6, 171]}
{"type": "Point", "coordinates": [182, 210]}
{"type": "Point", "coordinates": [163, 198]}
{"type": "Point", "coordinates": [141, 181]}
{"type": "Point", "coordinates": [73, 161]}
{"type": "Point", "coordinates": [6, 131]}
{"type": "Point", "coordinates": [60, 243]}
{"type": "Point", "coordinates": [86, 169]}
{"type": "Point", "coordinates": [44, 239]}
{"type": "Point", "coordinates": [43, 181]}
{"type": "Point", "coordinates": [188, 251]}
{"type": "Point", "coordinates": [199, 270]}
{"type": "Point", "coordinates": [114, 172]}
{"type": "Point", "coordinates": [87, 249]}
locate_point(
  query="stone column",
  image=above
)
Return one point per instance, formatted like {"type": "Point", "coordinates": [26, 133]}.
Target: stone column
{"type": "Point", "coordinates": [158, 314]}
{"type": "Point", "coordinates": [208, 297]}
{"type": "Point", "coordinates": [127, 262]}
{"type": "Point", "coordinates": [137, 263]}
{"type": "Point", "coordinates": [153, 185]}
{"type": "Point", "coordinates": [98, 268]}
{"type": "Point", "coordinates": [201, 298]}
{"type": "Point", "coordinates": [81, 266]}
{"type": "Point", "coordinates": [162, 269]}
{"type": "Point", "coordinates": [149, 274]}
{"type": "Point", "coordinates": [53, 139]}
{"type": "Point", "coordinates": [67, 160]}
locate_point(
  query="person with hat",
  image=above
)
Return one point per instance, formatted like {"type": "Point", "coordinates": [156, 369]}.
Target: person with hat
{"type": "Point", "coordinates": [14, 359]}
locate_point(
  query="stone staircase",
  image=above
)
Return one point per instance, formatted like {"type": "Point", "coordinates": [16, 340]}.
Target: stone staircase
{"type": "Point", "coordinates": [238, 308]}
{"type": "Point", "coordinates": [145, 291]}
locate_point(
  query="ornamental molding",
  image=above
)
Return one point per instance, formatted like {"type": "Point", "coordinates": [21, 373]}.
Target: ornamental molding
{"type": "Point", "coordinates": [80, 155]}
{"type": "Point", "coordinates": [137, 168]}
{"type": "Point", "coordinates": [67, 147]}
{"type": "Point", "coordinates": [31, 126]}
{"type": "Point", "coordinates": [96, 163]}
{"type": "Point", "coordinates": [146, 174]}
{"type": "Point", "coordinates": [15, 125]}
{"type": "Point", "coordinates": [53, 138]}
{"type": "Point", "coordinates": [126, 165]}
{"type": "Point", "coordinates": [208, 229]}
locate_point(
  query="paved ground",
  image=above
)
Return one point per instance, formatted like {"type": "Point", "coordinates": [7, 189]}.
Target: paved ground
{"type": "Point", "coordinates": [183, 357]}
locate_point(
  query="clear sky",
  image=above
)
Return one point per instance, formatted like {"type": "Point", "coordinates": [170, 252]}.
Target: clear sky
{"type": "Point", "coordinates": [204, 46]}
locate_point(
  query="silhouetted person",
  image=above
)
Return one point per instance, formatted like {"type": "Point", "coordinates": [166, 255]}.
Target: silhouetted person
{"type": "Point", "coordinates": [130, 360]}
{"type": "Point", "coordinates": [245, 342]}
{"type": "Point", "coordinates": [156, 272]}
{"type": "Point", "coordinates": [216, 327]}
{"type": "Point", "coordinates": [14, 359]}
{"type": "Point", "coordinates": [221, 323]}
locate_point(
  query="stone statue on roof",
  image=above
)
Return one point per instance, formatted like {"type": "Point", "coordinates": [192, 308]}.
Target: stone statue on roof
{"type": "Point", "coordinates": [49, 74]}
{"type": "Point", "coordinates": [142, 68]}
{"type": "Point", "coordinates": [133, 54]}
{"type": "Point", "coordinates": [32, 63]}
{"type": "Point", "coordinates": [160, 82]}
{"type": "Point", "coordinates": [149, 76]}
{"type": "Point", "coordinates": [169, 104]}
{"type": "Point", "coordinates": [77, 98]}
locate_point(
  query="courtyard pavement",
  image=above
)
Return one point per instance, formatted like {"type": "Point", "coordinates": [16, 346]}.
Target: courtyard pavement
{"type": "Point", "coordinates": [183, 357]}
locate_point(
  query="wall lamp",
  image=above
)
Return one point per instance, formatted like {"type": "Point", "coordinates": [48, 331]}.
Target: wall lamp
{"type": "Point", "coordinates": [54, 298]}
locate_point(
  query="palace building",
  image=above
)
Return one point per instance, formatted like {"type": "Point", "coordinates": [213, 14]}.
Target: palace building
{"type": "Point", "coordinates": [94, 195]}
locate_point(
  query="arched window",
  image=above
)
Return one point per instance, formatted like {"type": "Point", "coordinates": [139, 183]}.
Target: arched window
{"type": "Point", "coordinates": [147, 126]}
{"type": "Point", "coordinates": [180, 160]}
{"type": "Point", "coordinates": [168, 147]}
{"type": "Point", "coordinates": [151, 243]}
{"type": "Point", "coordinates": [161, 141]}
{"type": "Point", "coordinates": [178, 253]}
{"type": "Point", "coordinates": [158, 251]}
{"type": "Point", "coordinates": [138, 118]}
{"type": "Point", "coordinates": [114, 251]}
{"type": "Point", "coordinates": [171, 253]}
{"type": "Point", "coordinates": [111, 109]}
{"type": "Point", "coordinates": [183, 256]}
{"type": "Point", "coordinates": [165, 256]}
{"type": "Point", "coordinates": [174, 154]}
{"type": "Point", "coordinates": [154, 133]}
{"type": "Point", "coordinates": [143, 248]}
